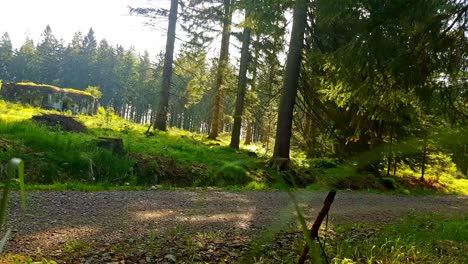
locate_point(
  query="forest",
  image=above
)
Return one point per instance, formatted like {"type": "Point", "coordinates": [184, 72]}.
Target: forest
{"type": "Point", "coordinates": [221, 148]}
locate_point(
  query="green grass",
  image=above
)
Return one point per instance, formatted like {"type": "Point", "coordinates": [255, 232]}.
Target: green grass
{"type": "Point", "coordinates": [414, 239]}
{"type": "Point", "coordinates": [173, 159]}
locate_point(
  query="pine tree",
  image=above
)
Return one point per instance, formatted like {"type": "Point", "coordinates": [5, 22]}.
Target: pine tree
{"type": "Point", "coordinates": [242, 84]}
{"type": "Point", "coordinates": [48, 56]}
{"type": "Point", "coordinates": [280, 158]}
{"type": "Point", "coordinates": [161, 115]}
{"type": "Point", "coordinates": [223, 62]}
{"type": "Point", "coordinates": [6, 56]}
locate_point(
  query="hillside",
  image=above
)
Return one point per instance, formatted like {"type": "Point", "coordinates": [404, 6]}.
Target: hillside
{"type": "Point", "coordinates": [177, 158]}
{"type": "Point", "coordinates": [67, 160]}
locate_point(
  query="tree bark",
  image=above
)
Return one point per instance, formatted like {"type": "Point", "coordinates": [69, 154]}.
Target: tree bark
{"type": "Point", "coordinates": [389, 156]}
{"type": "Point", "coordinates": [242, 85]}
{"type": "Point", "coordinates": [220, 74]}
{"type": "Point", "coordinates": [248, 133]}
{"type": "Point", "coordinates": [424, 157]}
{"type": "Point", "coordinates": [161, 117]}
{"type": "Point", "coordinates": [186, 120]}
{"type": "Point", "coordinates": [280, 158]}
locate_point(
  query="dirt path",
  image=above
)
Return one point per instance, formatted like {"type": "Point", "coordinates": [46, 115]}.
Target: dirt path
{"type": "Point", "coordinates": [54, 218]}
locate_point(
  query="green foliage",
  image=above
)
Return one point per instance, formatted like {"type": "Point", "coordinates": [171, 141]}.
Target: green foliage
{"type": "Point", "coordinates": [16, 258]}
{"type": "Point", "coordinates": [375, 79]}
{"type": "Point", "coordinates": [231, 174]}
{"type": "Point", "coordinates": [123, 78]}
{"type": "Point", "coordinates": [76, 245]}
{"type": "Point", "coordinates": [176, 158]}
{"type": "Point", "coordinates": [414, 239]}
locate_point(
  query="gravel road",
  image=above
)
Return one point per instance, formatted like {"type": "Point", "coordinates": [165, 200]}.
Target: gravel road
{"type": "Point", "coordinates": [54, 218]}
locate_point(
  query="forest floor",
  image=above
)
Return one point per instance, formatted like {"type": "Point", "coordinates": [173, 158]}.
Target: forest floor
{"type": "Point", "coordinates": [149, 226]}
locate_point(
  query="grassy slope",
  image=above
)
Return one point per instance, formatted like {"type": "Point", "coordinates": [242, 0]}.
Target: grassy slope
{"type": "Point", "coordinates": [58, 157]}
{"type": "Point", "coordinates": [177, 158]}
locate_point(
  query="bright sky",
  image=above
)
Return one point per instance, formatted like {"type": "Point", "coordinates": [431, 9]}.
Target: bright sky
{"type": "Point", "coordinates": [109, 19]}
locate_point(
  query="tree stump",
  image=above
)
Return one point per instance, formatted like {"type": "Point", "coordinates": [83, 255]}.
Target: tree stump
{"type": "Point", "coordinates": [113, 144]}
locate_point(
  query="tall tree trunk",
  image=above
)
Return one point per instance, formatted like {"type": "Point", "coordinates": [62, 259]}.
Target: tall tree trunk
{"type": "Point", "coordinates": [186, 120]}
{"type": "Point", "coordinates": [179, 120]}
{"type": "Point", "coordinates": [161, 116]}
{"type": "Point", "coordinates": [280, 158]}
{"type": "Point", "coordinates": [389, 155]}
{"type": "Point", "coordinates": [173, 117]}
{"type": "Point", "coordinates": [309, 137]}
{"type": "Point", "coordinates": [424, 157]}
{"type": "Point", "coordinates": [242, 86]}
{"type": "Point", "coordinates": [220, 74]}
{"type": "Point", "coordinates": [248, 133]}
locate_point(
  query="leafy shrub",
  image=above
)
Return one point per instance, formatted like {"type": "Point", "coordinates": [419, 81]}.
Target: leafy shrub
{"type": "Point", "coordinates": [101, 111]}
{"type": "Point", "coordinates": [94, 91]}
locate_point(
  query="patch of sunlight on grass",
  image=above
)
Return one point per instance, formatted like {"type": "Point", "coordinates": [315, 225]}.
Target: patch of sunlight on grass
{"type": "Point", "coordinates": [10, 112]}
{"type": "Point", "coordinates": [252, 147]}
{"type": "Point", "coordinates": [256, 186]}
{"type": "Point", "coordinates": [455, 185]}
{"type": "Point", "coordinates": [299, 158]}
{"type": "Point", "coordinates": [259, 149]}
{"type": "Point", "coordinates": [414, 239]}
{"type": "Point", "coordinates": [445, 176]}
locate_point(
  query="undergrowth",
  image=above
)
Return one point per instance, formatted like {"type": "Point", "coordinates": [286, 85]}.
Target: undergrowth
{"type": "Point", "coordinates": [414, 239]}
{"type": "Point", "coordinates": [174, 158]}
{"type": "Point", "coordinates": [72, 161]}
